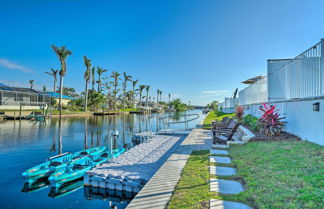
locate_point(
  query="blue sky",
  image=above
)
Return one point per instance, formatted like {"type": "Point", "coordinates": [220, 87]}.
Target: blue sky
{"type": "Point", "coordinates": [196, 50]}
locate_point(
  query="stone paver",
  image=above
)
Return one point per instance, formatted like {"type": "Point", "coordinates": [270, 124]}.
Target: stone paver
{"type": "Point", "coordinates": [222, 171]}
{"type": "Point", "coordinates": [218, 152]}
{"type": "Point", "coordinates": [225, 186]}
{"type": "Point", "coordinates": [220, 146]}
{"type": "Point", "coordinates": [158, 190]}
{"type": "Point", "coordinates": [216, 159]}
{"type": "Point", "coordinates": [221, 204]}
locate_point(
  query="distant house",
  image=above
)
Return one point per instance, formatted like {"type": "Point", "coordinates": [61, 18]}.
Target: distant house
{"type": "Point", "coordinates": [56, 96]}
{"type": "Point", "coordinates": [14, 97]}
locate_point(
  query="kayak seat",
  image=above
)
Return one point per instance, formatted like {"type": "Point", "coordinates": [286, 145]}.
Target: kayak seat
{"type": "Point", "coordinates": [83, 153]}
{"type": "Point", "coordinates": [55, 163]}
{"type": "Point", "coordinates": [104, 155]}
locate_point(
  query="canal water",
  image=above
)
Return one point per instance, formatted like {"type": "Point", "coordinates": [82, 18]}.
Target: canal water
{"type": "Point", "coordinates": [24, 144]}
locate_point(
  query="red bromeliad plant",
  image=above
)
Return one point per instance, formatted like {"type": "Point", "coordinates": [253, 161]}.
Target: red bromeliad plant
{"type": "Point", "coordinates": [239, 113]}
{"type": "Point", "coordinates": [270, 123]}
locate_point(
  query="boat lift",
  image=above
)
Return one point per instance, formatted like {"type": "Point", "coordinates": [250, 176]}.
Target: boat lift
{"type": "Point", "coordinates": [167, 121]}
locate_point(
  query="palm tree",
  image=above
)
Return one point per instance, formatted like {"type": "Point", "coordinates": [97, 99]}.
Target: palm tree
{"type": "Point", "coordinates": [169, 97]}
{"type": "Point", "coordinates": [31, 83]}
{"type": "Point", "coordinates": [44, 89]}
{"type": "Point", "coordinates": [54, 74]}
{"type": "Point", "coordinates": [100, 71]}
{"type": "Point", "coordinates": [87, 75]}
{"type": "Point", "coordinates": [126, 78]}
{"type": "Point", "coordinates": [93, 76]}
{"type": "Point", "coordinates": [141, 87]}
{"type": "Point", "coordinates": [115, 76]}
{"type": "Point", "coordinates": [147, 88]}
{"type": "Point", "coordinates": [157, 97]}
{"type": "Point", "coordinates": [62, 53]}
{"type": "Point", "coordinates": [134, 83]}
{"type": "Point", "coordinates": [160, 96]}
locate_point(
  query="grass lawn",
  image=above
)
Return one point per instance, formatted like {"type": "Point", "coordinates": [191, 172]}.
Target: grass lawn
{"type": "Point", "coordinates": [275, 175]}
{"type": "Point", "coordinates": [213, 115]}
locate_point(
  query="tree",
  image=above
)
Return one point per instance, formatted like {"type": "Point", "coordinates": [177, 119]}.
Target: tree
{"type": "Point", "coordinates": [87, 75]}
{"type": "Point", "coordinates": [115, 76]}
{"type": "Point", "coordinates": [157, 96]}
{"type": "Point", "coordinates": [31, 83]}
{"type": "Point", "coordinates": [100, 71]}
{"type": "Point", "coordinates": [134, 83]}
{"type": "Point", "coordinates": [54, 74]}
{"type": "Point", "coordinates": [141, 88]}
{"type": "Point", "coordinates": [69, 91]}
{"type": "Point", "coordinates": [93, 77]}
{"type": "Point", "coordinates": [126, 79]}
{"type": "Point", "coordinates": [160, 95]}
{"type": "Point", "coordinates": [62, 53]}
{"type": "Point", "coordinates": [177, 105]}
{"type": "Point", "coordinates": [96, 100]}
{"type": "Point", "coordinates": [44, 88]}
{"type": "Point", "coordinates": [147, 88]}
{"type": "Point", "coordinates": [169, 97]}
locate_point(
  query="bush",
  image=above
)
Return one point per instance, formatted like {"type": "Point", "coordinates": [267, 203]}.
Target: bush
{"type": "Point", "coordinates": [251, 121]}
{"type": "Point", "coordinates": [239, 113]}
{"type": "Point", "coordinates": [270, 123]}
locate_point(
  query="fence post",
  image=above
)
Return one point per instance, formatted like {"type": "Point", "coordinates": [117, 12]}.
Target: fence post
{"type": "Point", "coordinates": [322, 67]}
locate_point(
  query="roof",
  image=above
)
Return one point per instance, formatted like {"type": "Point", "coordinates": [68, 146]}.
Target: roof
{"type": "Point", "coordinates": [57, 95]}
{"type": "Point", "coordinates": [253, 80]}
{"type": "Point", "coordinates": [27, 90]}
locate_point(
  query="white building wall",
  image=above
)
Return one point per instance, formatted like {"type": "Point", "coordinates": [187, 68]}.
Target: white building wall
{"type": "Point", "coordinates": [300, 117]}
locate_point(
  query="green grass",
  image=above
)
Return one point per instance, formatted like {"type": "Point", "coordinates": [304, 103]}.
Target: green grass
{"type": "Point", "coordinates": [275, 175]}
{"type": "Point", "coordinates": [213, 115]}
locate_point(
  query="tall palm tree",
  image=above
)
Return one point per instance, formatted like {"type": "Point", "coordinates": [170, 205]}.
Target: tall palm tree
{"type": "Point", "coordinates": [157, 97]}
{"type": "Point", "coordinates": [141, 87]}
{"type": "Point", "coordinates": [44, 89]}
{"type": "Point", "coordinates": [115, 76]}
{"type": "Point", "coordinates": [93, 77]}
{"type": "Point", "coordinates": [31, 83]}
{"type": "Point", "coordinates": [126, 79]}
{"type": "Point", "coordinates": [87, 75]}
{"type": "Point", "coordinates": [147, 88]}
{"type": "Point", "coordinates": [100, 71]}
{"type": "Point", "coordinates": [134, 83]}
{"type": "Point", "coordinates": [62, 53]}
{"type": "Point", "coordinates": [160, 96]}
{"type": "Point", "coordinates": [169, 97]}
{"type": "Point", "coordinates": [54, 74]}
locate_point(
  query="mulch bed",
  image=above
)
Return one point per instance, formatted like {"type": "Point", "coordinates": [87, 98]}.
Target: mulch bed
{"type": "Point", "coordinates": [285, 136]}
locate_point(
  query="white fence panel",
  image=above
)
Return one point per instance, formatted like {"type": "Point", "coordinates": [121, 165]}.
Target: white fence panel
{"type": "Point", "coordinates": [254, 93]}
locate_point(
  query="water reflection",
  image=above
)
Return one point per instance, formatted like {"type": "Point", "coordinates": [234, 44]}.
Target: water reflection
{"type": "Point", "coordinates": [66, 188]}
{"type": "Point", "coordinates": [36, 186]}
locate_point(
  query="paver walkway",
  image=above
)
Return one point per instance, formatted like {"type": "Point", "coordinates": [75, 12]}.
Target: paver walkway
{"type": "Point", "coordinates": [223, 186]}
{"type": "Point", "coordinates": [158, 191]}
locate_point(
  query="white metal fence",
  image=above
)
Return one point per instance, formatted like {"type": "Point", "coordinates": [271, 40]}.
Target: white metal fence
{"type": "Point", "coordinates": [254, 93]}
{"type": "Point", "coordinates": [302, 77]}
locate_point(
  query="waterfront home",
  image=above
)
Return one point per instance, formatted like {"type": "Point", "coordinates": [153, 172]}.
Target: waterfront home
{"type": "Point", "coordinates": [296, 87]}
{"type": "Point", "coordinates": [14, 97]}
{"type": "Point", "coordinates": [65, 99]}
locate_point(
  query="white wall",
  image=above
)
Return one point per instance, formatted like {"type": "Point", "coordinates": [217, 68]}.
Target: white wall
{"type": "Point", "coordinates": [302, 120]}
{"type": "Point", "coordinates": [17, 107]}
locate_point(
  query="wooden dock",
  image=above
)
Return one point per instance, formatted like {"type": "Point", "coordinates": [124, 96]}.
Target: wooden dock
{"type": "Point", "coordinates": [105, 113]}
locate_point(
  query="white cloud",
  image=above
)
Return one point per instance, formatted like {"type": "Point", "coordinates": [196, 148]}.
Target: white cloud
{"type": "Point", "coordinates": [14, 66]}
{"type": "Point", "coordinates": [214, 93]}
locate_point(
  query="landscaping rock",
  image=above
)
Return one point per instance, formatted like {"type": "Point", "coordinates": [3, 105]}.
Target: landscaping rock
{"type": "Point", "coordinates": [216, 159]}
{"type": "Point", "coordinates": [222, 171]}
{"type": "Point", "coordinates": [221, 204]}
{"type": "Point", "coordinates": [225, 186]}
{"type": "Point", "coordinates": [218, 152]}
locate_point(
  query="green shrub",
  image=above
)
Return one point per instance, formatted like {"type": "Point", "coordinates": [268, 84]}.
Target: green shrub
{"type": "Point", "coordinates": [251, 121]}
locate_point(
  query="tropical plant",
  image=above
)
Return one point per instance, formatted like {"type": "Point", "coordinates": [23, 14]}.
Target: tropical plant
{"type": "Point", "coordinates": [115, 76]}
{"type": "Point", "coordinates": [31, 83]}
{"type": "Point", "coordinates": [44, 89]}
{"type": "Point", "coordinates": [157, 96]}
{"type": "Point", "coordinates": [54, 74]}
{"type": "Point", "coordinates": [100, 71]}
{"type": "Point", "coordinates": [160, 96]}
{"type": "Point", "coordinates": [134, 83]}
{"type": "Point", "coordinates": [251, 121]}
{"type": "Point", "coordinates": [62, 53]}
{"type": "Point", "coordinates": [169, 97]}
{"type": "Point", "coordinates": [239, 112]}
{"type": "Point", "coordinates": [93, 77]}
{"type": "Point", "coordinates": [87, 75]}
{"type": "Point", "coordinates": [141, 88]}
{"type": "Point", "coordinates": [177, 105]}
{"type": "Point", "coordinates": [147, 88]}
{"type": "Point", "coordinates": [126, 79]}
{"type": "Point", "coordinates": [271, 123]}
{"type": "Point", "coordinates": [96, 100]}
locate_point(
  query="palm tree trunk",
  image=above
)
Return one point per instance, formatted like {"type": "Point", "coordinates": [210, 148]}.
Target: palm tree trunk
{"type": "Point", "coordinates": [146, 99]}
{"type": "Point", "coordinates": [54, 86]}
{"type": "Point", "coordinates": [61, 92]}
{"type": "Point", "coordinates": [86, 97]}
